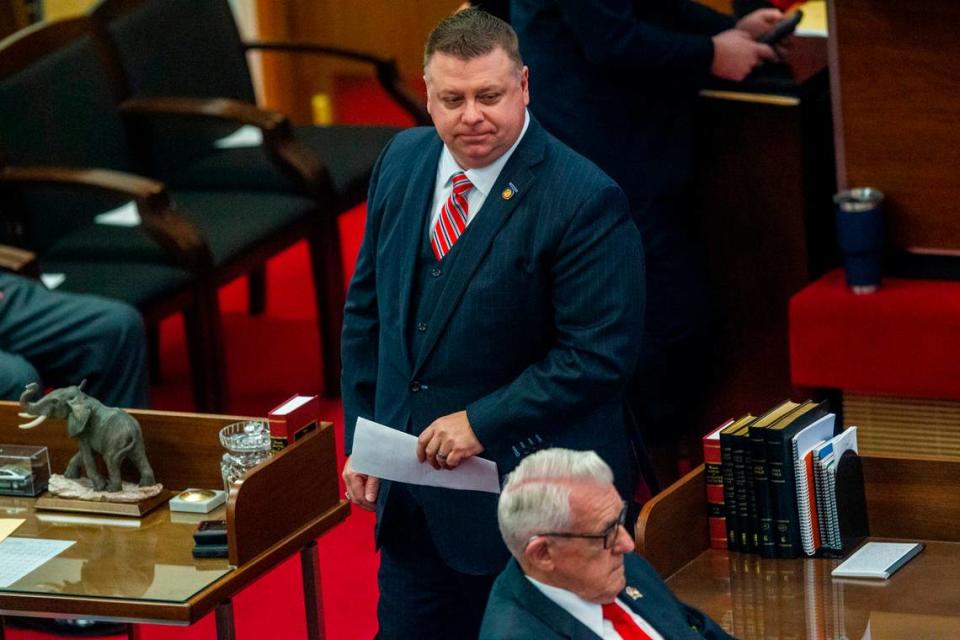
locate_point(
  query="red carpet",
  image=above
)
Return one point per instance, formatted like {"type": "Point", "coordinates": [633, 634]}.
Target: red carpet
{"type": "Point", "coordinates": [270, 358]}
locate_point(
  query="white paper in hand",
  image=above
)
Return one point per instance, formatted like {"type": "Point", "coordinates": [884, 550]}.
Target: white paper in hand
{"type": "Point", "coordinates": [382, 452]}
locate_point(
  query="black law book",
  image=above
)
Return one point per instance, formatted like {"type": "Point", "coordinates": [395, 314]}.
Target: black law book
{"type": "Point", "coordinates": [762, 522]}
{"type": "Point", "coordinates": [743, 487]}
{"type": "Point", "coordinates": [729, 488]}
{"type": "Point", "coordinates": [780, 471]}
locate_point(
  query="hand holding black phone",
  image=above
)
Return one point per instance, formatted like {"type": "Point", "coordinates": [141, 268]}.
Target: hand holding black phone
{"type": "Point", "coordinates": [782, 29]}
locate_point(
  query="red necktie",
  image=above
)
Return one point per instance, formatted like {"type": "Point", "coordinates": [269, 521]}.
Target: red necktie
{"type": "Point", "coordinates": [453, 217]}
{"type": "Point", "coordinates": [623, 623]}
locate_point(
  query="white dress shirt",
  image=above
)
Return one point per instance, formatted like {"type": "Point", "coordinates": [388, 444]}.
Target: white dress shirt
{"type": "Point", "coordinates": [483, 179]}
{"type": "Point", "coordinates": [591, 614]}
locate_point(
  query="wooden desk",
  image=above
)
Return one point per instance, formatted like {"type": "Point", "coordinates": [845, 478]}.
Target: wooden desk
{"type": "Point", "coordinates": [757, 598]}
{"type": "Point", "coordinates": [147, 573]}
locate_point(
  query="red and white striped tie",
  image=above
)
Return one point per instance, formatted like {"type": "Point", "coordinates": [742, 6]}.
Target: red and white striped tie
{"type": "Point", "coordinates": [453, 217]}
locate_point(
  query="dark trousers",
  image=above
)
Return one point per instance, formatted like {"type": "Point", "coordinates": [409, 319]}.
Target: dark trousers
{"type": "Point", "coordinates": [420, 596]}
{"type": "Point", "coordinates": [669, 387]}
{"type": "Point", "coordinates": [57, 339]}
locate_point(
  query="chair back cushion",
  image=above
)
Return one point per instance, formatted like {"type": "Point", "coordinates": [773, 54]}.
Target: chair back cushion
{"type": "Point", "coordinates": [58, 110]}
{"type": "Point", "coordinates": [182, 48]}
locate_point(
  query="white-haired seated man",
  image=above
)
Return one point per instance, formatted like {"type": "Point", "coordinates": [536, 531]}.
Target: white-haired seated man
{"type": "Point", "coordinates": [573, 573]}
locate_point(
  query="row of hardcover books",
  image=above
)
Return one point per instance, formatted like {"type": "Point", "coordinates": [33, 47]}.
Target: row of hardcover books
{"type": "Point", "coordinates": [770, 481]}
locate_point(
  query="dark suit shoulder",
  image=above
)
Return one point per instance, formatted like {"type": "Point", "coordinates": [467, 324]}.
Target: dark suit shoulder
{"type": "Point", "coordinates": [410, 142]}
{"type": "Point", "coordinates": [507, 618]}
{"type": "Point", "coordinates": [638, 570]}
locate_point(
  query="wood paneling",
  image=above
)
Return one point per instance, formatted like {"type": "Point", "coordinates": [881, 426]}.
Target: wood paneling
{"type": "Point", "coordinates": [904, 427]}
{"type": "Point", "coordinates": [896, 68]}
{"type": "Point", "coordinates": [390, 29]}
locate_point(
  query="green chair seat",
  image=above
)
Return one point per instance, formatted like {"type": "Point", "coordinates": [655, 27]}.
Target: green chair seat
{"type": "Point", "coordinates": [140, 284]}
{"type": "Point", "coordinates": [232, 222]}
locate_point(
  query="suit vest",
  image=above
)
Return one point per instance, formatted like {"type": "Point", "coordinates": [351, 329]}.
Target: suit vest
{"type": "Point", "coordinates": [428, 282]}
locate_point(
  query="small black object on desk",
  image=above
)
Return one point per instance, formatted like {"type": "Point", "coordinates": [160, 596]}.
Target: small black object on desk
{"type": "Point", "coordinates": [210, 539]}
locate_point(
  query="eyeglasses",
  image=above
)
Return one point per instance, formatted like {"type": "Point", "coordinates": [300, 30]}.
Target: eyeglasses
{"type": "Point", "coordinates": [608, 535]}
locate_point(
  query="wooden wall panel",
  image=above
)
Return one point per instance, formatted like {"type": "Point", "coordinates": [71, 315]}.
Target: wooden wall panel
{"type": "Point", "coordinates": [394, 29]}
{"type": "Point", "coordinates": [896, 68]}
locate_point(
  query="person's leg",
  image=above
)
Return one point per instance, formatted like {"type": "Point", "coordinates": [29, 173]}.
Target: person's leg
{"type": "Point", "coordinates": [421, 598]}
{"type": "Point", "coordinates": [671, 378]}
{"type": "Point", "coordinates": [70, 337]}
{"type": "Point", "coordinates": [15, 374]}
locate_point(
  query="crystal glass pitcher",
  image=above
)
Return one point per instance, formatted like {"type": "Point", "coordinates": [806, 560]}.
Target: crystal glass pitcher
{"type": "Point", "coordinates": [247, 444]}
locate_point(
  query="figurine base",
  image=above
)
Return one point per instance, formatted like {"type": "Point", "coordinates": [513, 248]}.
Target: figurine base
{"type": "Point", "coordinates": [47, 502]}
{"type": "Point", "coordinates": [78, 495]}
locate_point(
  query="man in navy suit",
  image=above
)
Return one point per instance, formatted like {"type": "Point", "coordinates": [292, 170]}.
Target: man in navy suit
{"type": "Point", "coordinates": [495, 309]}
{"type": "Point", "coordinates": [616, 80]}
{"type": "Point", "coordinates": [573, 574]}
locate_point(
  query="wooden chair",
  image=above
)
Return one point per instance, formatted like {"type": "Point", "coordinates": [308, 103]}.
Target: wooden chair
{"type": "Point", "coordinates": [187, 56]}
{"type": "Point", "coordinates": [57, 110]}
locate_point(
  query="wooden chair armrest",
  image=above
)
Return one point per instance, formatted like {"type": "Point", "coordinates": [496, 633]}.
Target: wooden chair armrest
{"type": "Point", "coordinates": [19, 261]}
{"type": "Point", "coordinates": [672, 528]}
{"type": "Point", "coordinates": [290, 156]}
{"type": "Point", "coordinates": [225, 109]}
{"type": "Point", "coordinates": [167, 226]}
{"type": "Point", "coordinates": [386, 70]}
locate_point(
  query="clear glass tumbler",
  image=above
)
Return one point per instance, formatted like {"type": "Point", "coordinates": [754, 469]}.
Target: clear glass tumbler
{"type": "Point", "coordinates": [247, 444]}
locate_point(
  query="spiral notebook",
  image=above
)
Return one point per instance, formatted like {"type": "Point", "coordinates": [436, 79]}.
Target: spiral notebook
{"type": "Point", "coordinates": [803, 445]}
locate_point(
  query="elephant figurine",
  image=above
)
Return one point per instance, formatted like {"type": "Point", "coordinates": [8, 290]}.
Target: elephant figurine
{"type": "Point", "coordinates": [112, 433]}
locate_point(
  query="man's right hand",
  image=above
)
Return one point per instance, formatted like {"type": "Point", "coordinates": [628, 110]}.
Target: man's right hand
{"type": "Point", "coordinates": [735, 54]}
{"type": "Point", "coordinates": [361, 489]}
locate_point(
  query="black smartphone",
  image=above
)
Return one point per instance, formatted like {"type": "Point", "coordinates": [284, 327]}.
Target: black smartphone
{"type": "Point", "coordinates": [782, 29]}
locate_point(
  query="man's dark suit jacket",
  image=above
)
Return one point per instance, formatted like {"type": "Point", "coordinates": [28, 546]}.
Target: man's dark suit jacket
{"type": "Point", "coordinates": [536, 330]}
{"type": "Point", "coordinates": [517, 610]}
{"type": "Point", "coordinates": [615, 80]}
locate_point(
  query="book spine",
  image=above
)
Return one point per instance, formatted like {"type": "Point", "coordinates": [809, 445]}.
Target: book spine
{"type": "Point", "coordinates": [744, 492]}
{"type": "Point", "coordinates": [786, 526]}
{"type": "Point", "coordinates": [716, 517]}
{"type": "Point", "coordinates": [730, 509]}
{"type": "Point", "coordinates": [761, 490]}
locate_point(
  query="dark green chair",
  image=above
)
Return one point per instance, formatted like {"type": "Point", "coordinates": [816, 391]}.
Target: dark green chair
{"type": "Point", "coordinates": [58, 109]}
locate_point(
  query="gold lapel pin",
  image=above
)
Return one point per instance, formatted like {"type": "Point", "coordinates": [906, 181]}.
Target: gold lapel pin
{"type": "Point", "coordinates": [633, 593]}
{"type": "Point", "coordinates": [507, 193]}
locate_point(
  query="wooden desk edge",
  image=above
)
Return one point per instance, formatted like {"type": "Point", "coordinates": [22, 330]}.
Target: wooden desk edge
{"type": "Point", "coordinates": [906, 499]}
{"type": "Point", "coordinates": [672, 528]}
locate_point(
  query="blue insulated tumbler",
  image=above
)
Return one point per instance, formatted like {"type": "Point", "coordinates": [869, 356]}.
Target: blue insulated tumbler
{"type": "Point", "coordinates": [860, 234]}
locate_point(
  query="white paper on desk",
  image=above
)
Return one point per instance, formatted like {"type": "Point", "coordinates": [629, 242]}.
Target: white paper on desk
{"type": "Point", "coordinates": [20, 556]}
{"type": "Point", "coordinates": [382, 452]}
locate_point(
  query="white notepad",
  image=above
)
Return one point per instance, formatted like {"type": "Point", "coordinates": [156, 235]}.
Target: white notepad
{"type": "Point", "coordinates": [878, 560]}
